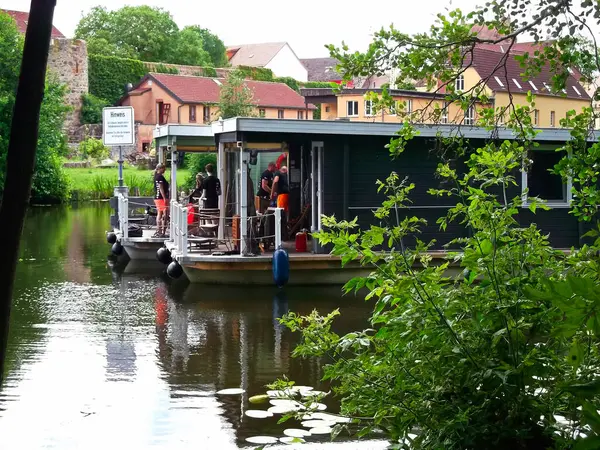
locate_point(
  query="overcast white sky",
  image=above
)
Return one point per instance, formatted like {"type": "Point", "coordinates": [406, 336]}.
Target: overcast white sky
{"type": "Point", "coordinates": [306, 24]}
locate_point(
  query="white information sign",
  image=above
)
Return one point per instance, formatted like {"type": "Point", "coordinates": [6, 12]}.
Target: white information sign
{"type": "Point", "coordinates": [118, 126]}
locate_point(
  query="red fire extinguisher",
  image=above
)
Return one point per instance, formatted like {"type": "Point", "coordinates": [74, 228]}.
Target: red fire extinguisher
{"type": "Point", "coordinates": [301, 241]}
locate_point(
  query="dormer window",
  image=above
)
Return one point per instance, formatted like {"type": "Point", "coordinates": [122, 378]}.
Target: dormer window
{"type": "Point", "coordinates": [460, 82]}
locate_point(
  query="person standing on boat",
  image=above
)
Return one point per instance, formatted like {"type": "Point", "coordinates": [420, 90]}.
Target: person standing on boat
{"type": "Point", "coordinates": [265, 191]}
{"type": "Point", "coordinates": [161, 200]}
{"type": "Point", "coordinates": [281, 189]}
{"type": "Point", "coordinates": [212, 188]}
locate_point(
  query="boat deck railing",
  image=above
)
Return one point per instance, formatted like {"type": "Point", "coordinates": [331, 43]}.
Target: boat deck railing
{"type": "Point", "coordinates": [180, 239]}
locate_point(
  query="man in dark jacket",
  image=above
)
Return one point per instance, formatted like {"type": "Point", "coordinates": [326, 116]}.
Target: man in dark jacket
{"type": "Point", "coordinates": [212, 188]}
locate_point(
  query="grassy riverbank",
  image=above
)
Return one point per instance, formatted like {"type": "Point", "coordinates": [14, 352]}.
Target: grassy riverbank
{"type": "Point", "coordinates": [98, 183]}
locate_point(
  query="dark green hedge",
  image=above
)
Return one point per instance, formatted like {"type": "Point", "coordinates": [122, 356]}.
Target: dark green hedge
{"type": "Point", "coordinates": [108, 76]}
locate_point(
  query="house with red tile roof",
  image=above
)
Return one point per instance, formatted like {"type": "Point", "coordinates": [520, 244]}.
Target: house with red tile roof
{"type": "Point", "coordinates": [160, 99]}
{"type": "Point", "coordinates": [22, 19]}
{"type": "Point", "coordinates": [502, 76]}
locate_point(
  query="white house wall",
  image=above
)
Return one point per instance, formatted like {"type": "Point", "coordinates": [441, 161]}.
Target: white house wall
{"type": "Point", "coordinates": [287, 64]}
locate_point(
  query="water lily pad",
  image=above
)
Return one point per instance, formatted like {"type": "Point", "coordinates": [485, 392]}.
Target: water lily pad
{"type": "Point", "coordinates": [329, 417]}
{"type": "Point", "coordinates": [258, 413]}
{"type": "Point", "coordinates": [296, 432]}
{"type": "Point", "coordinates": [281, 394]}
{"type": "Point", "coordinates": [231, 391]}
{"type": "Point", "coordinates": [258, 399]}
{"type": "Point", "coordinates": [292, 440]}
{"type": "Point", "coordinates": [320, 430]}
{"type": "Point", "coordinates": [317, 406]}
{"type": "Point", "coordinates": [282, 409]}
{"type": "Point", "coordinates": [283, 402]}
{"type": "Point", "coordinates": [315, 423]}
{"type": "Point", "coordinates": [262, 440]}
{"type": "Point", "coordinates": [312, 393]}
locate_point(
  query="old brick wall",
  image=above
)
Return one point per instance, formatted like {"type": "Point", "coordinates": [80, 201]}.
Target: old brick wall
{"type": "Point", "coordinates": [195, 71]}
{"type": "Point", "coordinates": [68, 59]}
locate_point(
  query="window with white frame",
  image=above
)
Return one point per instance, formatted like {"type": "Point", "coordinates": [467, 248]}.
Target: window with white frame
{"type": "Point", "coordinates": [352, 108]}
{"type": "Point", "coordinates": [539, 181]}
{"type": "Point", "coordinates": [280, 114]}
{"type": "Point", "coordinates": [444, 115]}
{"type": "Point", "coordinates": [300, 115]}
{"type": "Point", "coordinates": [552, 119]}
{"type": "Point", "coordinates": [470, 116]}
{"type": "Point", "coordinates": [369, 108]}
{"type": "Point", "coordinates": [536, 117]}
{"type": "Point", "coordinates": [394, 108]}
{"type": "Point", "coordinates": [409, 106]}
{"type": "Point", "coordinates": [460, 82]}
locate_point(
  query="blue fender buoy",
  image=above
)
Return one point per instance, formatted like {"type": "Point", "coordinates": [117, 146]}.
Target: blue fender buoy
{"type": "Point", "coordinates": [111, 237]}
{"type": "Point", "coordinates": [281, 267]}
{"type": "Point", "coordinates": [174, 270]}
{"type": "Point", "coordinates": [164, 255]}
{"type": "Point", "coordinates": [117, 248]}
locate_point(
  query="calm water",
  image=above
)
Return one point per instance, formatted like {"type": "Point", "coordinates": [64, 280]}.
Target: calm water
{"type": "Point", "coordinates": [104, 358]}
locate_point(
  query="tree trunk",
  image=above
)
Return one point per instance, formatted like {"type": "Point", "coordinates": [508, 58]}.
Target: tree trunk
{"type": "Point", "coordinates": [21, 154]}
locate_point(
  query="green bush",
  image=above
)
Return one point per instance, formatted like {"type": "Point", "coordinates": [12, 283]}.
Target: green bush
{"type": "Point", "coordinates": [318, 84]}
{"type": "Point", "coordinates": [91, 110]}
{"type": "Point", "coordinates": [94, 149]}
{"type": "Point", "coordinates": [196, 162]}
{"type": "Point", "coordinates": [289, 81]}
{"type": "Point", "coordinates": [108, 76]}
{"type": "Point", "coordinates": [256, 73]}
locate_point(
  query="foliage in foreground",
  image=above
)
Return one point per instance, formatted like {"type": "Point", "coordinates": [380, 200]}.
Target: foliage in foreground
{"type": "Point", "coordinates": [496, 346]}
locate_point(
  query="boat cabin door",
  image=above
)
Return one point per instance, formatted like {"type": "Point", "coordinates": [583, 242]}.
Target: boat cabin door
{"type": "Point", "coordinates": [316, 189]}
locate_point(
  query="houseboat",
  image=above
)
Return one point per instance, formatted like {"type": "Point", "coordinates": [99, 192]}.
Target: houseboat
{"type": "Point", "coordinates": [333, 167]}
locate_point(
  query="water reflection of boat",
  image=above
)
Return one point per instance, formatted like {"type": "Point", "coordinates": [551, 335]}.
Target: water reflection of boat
{"type": "Point", "coordinates": [217, 337]}
{"type": "Point", "coordinates": [242, 298]}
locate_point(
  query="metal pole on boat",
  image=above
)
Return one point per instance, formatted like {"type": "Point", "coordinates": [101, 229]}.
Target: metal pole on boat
{"type": "Point", "coordinates": [243, 199]}
{"type": "Point", "coordinates": [301, 178]}
{"type": "Point", "coordinates": [313, 190]}
{"type": "Point", "coordinates": [320, 185]}
{"type": "Point", "coordinates": [223, 197]}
